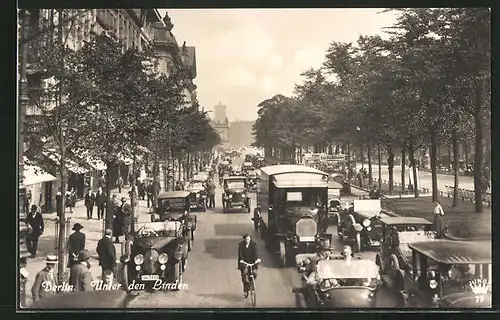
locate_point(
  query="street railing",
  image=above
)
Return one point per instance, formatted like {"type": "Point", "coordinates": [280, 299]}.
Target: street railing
{"type": "Point", "coordinates": [467, 195]}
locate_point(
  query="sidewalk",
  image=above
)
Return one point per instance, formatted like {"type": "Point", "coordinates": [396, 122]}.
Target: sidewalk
{"type": "Point", "coordinates": [462, 222]}
{"type": "Point", "coordinates": [93, 232]}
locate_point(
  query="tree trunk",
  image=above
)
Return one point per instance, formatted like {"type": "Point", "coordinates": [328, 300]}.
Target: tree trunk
{"type": "Point", "coordinates": [379, 168]}
{"type": "Point", "coordinates": [433, 155]}
{"type": "Point", "coordinates": [109, 211]}
{"type": "Point", "coordinates": [454, 141]}
{"type": "Point", "coordinates": [370, 169]}
{"type": "Point", "coordinates": [411, 156]}
{"type": "Point", "coordinates": [348, 162]}
{"type": "Point", "coordinates": [403, 167]}
{"type": "Point", "coordinates": [390, 163]}
{"type": "Point", "coordinates": [466, 153]}
{"type": "Point", "coordinates": [362, 157]}
{"type": "Point", "coordinates": [62, 219]}
{"type": "Point", "coordinates": [156, 166]}
{"type": "Point", "coordinates": [478, 157]}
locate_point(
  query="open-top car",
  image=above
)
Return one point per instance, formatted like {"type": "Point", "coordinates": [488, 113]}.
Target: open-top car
{"type": "Point", "coordinates": [252, 180]}
{"type": "Point", "coordinates": [335, 207]}
{"type": "Point", "coordinates": [360, 226]}
{"type": "Point", "coordinates": [176, 206]}
{"type": "Point", "coordinates": [448, 274]}
{"type": "Point", "coordinates": [159, 251]}
{"type": "Point", "coordinates": [235, 195]}
{"type": "Point", "coordinates": [397, 234]}
{"type": "Point", "coordinates": [344, 283]}
{"type": "Point", "coordinates": [197, 196]}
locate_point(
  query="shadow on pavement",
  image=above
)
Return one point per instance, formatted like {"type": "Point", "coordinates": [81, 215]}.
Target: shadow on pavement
{"type": "Point", "coordinates": [223, 248]}
{"type": "Point", "coordinates": [230, 297]}
{"type": "Point", "coordinates": [46, 246]}
{"type": "Point", "coordinates": [233, 229]}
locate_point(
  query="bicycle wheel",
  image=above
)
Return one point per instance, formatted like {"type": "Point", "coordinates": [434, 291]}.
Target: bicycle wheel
{"type": "Point", "coordinates": [253, 296]}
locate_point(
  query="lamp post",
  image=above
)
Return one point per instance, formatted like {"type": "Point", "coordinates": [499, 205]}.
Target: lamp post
{"type": "Point", "coordinates": [23, 101]}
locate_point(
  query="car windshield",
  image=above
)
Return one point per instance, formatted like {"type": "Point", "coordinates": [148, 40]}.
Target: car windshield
{"type": "Point", "coordinates": [158, 229]}
{"type": "Point", "coordinates": [235, 184]}
{"type": "Point", "coordinates": [458, 278]}
{"type": "Point", "coordinates": [172, 204]}
{"type": "Point", "coordinates": [405, 228]}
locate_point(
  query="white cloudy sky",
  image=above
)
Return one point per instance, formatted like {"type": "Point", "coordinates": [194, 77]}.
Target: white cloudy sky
{"type": "Point", "coordinates": [246, 56]}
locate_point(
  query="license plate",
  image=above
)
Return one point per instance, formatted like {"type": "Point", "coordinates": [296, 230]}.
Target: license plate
{"type": "Point", "coordinates": [193, 206]}
{"type": "Point", "coordinates": [306, 239]}
{"type": "Point", "coordinates": [237, 207]}
{"type": "Point", "coordinates": [148, 277]}
{"type": "Point", "coordinates": [375, 243]}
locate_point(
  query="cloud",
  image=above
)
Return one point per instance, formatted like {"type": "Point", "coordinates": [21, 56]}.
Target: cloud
{"type": "Point", "coordinates": [239, 77]}
{"type": "Point", "coordinates": [309, 57]}
{"type": "Point", "coordinates": [268, 83]}
{"type": "Point", "coordinates": [275, 62]}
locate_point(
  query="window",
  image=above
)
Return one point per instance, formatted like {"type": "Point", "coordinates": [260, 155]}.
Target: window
{"type": "Point", "coordinates": [294, 196]}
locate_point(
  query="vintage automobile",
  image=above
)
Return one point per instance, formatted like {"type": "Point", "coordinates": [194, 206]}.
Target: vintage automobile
{"type": "Point", "coordinates": [447, 274]}
{"type": "Point", "coordinates": [258, 162]}
{"type": "Point", "coordinates": [294, 209]}
{"type": "Point", "coordinates": [113, 299]}
{"type": "Point", "coordinates": [237, 171]}
{"type": "Point", "coordinates": [224, 166]}
{"type": "Point", "coordinates": [252, 180]}
{"type": "Point", "coordinates": [200, 177]}
{"type": "Point", "coordinates": [360, 225]}
{"type": "Point", "coordinates": [176, 206]}
{"type": "Point", "coordinates": [197, 196]}
{"type": "Point", "coordinates": [235, 195]}
{"type": "Point", "coordinates": [159, 251]}
{"type": "Point", "coordinates": [247, 166]}
{"type": "Point", "coordinates": [335, 207]}
{"type": "Point", "coordinates": [397, 234]}
{"type": "Point", "coordinates": [345, 283]}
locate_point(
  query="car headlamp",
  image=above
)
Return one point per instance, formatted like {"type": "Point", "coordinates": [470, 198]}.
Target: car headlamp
{"type": "Point", "coordinates": [163, 267]}
{"type": "Point", "coordinates": [137, 268]}
{"type": "Point", "coordinates": [139, 259]}
{"type": "Point", "coordinates": [366, 223]}
{"type": "Point", "coordinates": [163, 258]}
{"type": "Point", "coordinates": [368, 228]}
{"type": "Point", "coordinates": [197, 195]}
{"type": "Point", "coordinates": [230, 196]}
{"type": "Point", "coordinates": [431, 274]}
{"type": "Point", "coordinates": [243, 195]}
{"type": "Point", "coordinates": [433, 284]}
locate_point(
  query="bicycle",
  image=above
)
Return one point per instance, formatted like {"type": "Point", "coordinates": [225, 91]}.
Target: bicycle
{"type": "Point", "coordinates": [251, 283]}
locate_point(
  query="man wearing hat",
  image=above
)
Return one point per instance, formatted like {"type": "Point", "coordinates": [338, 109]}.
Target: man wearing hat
{"type": "Point", "coordinates": [76, 243]}
{"type": "Point", "coordinates": [118, 221]}
{"type": "Point", "coordinates": [127, 220]}
{"type": "Point", "coordinates": [80, 277]}
{"type": "Point", "coordinates": [45, 280]}
{"type": "Point", "coordinates": [35, 221]}
{"type": "Point", "coordinates": [107, 252]}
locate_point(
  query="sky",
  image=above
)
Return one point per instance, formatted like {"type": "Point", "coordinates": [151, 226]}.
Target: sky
{"type": "Point", "coordinates": [246, 56]}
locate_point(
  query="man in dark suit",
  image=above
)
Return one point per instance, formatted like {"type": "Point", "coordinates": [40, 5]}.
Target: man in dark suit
{"type": "Point", "coordinates": [247, 252]}
{"type": "Point", "coordinates": [80, 277]}
{"type": "Point", "coordinates": [76, 243]}
{"type": "Point", "coordinates": [100, 200]}
{"type": "Point", "coordinates": [35, 221]}
{"type": "Point", "coordinates": [107, 253]}
{"type": "Point", "coordinates": [118, 221]}
{"type": "Point", "coordinates": [45, 280]}
{"type": "Point", "coordinates": [89, 203]}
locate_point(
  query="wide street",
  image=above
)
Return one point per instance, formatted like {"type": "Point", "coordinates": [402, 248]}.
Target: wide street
{"type": "Point", "coordinates": [213, 278]}
{"type": "Point", "coordinates": [444, 180]}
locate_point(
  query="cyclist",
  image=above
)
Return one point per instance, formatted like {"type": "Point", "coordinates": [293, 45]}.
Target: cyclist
{"type": "Point", "coordinates": [257, 215]}
{"type": "Point", "coordinates": [247, 252]}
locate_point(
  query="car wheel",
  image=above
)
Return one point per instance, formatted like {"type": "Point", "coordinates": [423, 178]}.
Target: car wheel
{"type": "Point", "coordinates": [357, 242]}
{"type": "Point", "coordinates": [192, 234]}
{"type": "Point", "coordinates": [177, 272]}
{"type": "Point", "coordinates": [124, 275]}
{"type": "Point", "coordinates": [300, 300]}
{"type": "Point", "coordinates": [282, 253]}
{"type": "Point", "coordinates": [190, 244]}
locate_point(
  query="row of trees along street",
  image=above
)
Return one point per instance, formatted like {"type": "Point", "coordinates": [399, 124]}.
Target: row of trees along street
{"type": "Point", "coordinates": [427, 85]}
{"type": "Point", "coordinates": [108, 103]}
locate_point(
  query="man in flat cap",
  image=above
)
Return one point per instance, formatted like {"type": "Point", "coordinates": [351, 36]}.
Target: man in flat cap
{"type": "Point", "coordinates": [80, 277]}
{"type": "Point", "coordinates": [107, 253]}
{"type": "Point", "coordinates": [76, 243]}
{"type": "Point", "coordinates": [45, 280]}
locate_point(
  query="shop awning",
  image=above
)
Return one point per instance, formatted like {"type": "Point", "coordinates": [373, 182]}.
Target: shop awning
{"type": "Point", "coordinates": [70, 164]}
{"type": "Point", "coordinates": [34, 174]}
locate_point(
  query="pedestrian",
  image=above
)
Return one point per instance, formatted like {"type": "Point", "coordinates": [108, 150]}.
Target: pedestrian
{"type": "Point", "coordinates": [120, 184]}
{"type": "Point", "coordinates": [118, 221]}
{"type": "Point", "coordinates": [76, 243]}
{"type": "Point", "coordinates": [178, 186]}
{"type": "Point", "coordinates": [211, 194]}
{"type": "Point", "coordinates": [438, 219]}
{"type": "Point", "coordinates": [89, 203]}
{"type": "Point", "coordinates": [35, 221]}
{"type": "Point", "coordinates": [80, 277]}
{"type": "Point", "coordinates": [102, 182]}
{"type": "Point", "coordinates": [257, 215]}
{"type": "Point", "coordinates": [59, 204]}
{"type": "Point", "coordinates": [107, 253]}
{"type": "Point", "coordinates": [100, 199]}
{"type": "Point", "coordinates": [127, 220]}
{"type": "Point", "coordinates": [149, 193]}
{"type": "Point", "coordinates": [45, 280]}
{"type": "Point", "coordinates": [142, 191]}
{"type": "Point", "coordinates": [28, 201]}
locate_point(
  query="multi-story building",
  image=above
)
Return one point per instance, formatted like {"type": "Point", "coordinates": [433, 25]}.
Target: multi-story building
{"type": "Point", "coordinates": [130, 27]}
{"type": "Point", "coordinates": [220, 122]}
